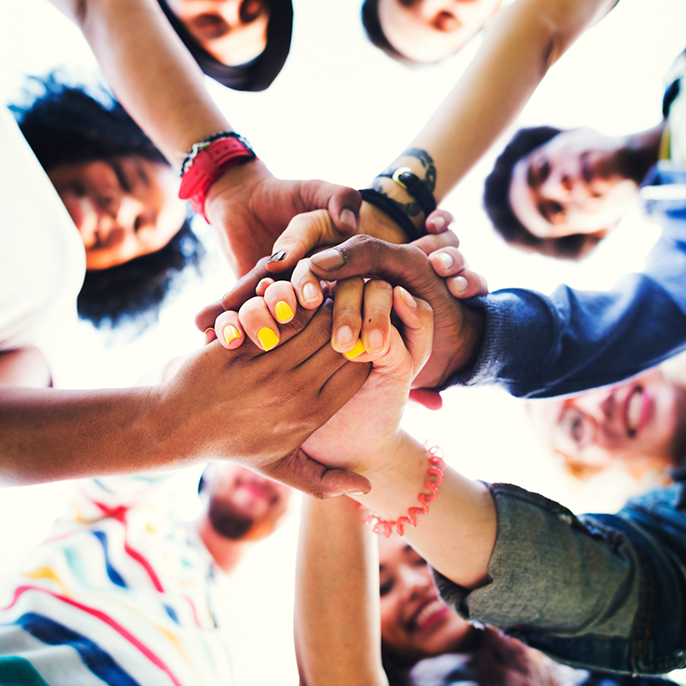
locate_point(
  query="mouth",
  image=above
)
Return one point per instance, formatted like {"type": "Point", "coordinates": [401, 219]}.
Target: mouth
{"type": "Point", "coordinates": [258, 490]}
{"type": "Point", "coordinates": [636, 411]}
{"type": "Point", "coordinates": [429, 613]}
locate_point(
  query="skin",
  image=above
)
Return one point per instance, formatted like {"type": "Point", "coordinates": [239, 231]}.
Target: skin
{"type": "Point", "coordinates": [260, 506]}
{"type": "Point", "coordinates": [232, 31]}
{"type": "Point", "coordinates": [431, 30]}
{"type": "Point", "coordinates": [123, 207]}
{"type": "Point", "coordinates": [598, 429]}
{"type": "Point", "coordinates": [406, 589]}
{"type": "Point", "coordinates": [576, 183]}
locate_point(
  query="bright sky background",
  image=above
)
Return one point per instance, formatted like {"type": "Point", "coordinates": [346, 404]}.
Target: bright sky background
{"type": "Point", "coordinates": [342, 111]}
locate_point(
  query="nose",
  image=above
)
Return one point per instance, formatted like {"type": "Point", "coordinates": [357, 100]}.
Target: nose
{"type": "Point", "coordinates": [601, 407]}
{"type": "Point", "coordinates": [120, 219]}
{"type": "Point", "coordinates": [415, 581]}
{"type": "Point", "coordinates": [429, 9]}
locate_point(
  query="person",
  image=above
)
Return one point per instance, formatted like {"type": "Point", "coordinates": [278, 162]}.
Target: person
{"type": "Point", "coordinates": [560, 192]}
{"type": "Point", "coordinates": [637, 425]}
{"type": "Point", "coordinates": [242, 44]}
{"type": "Point", "coordinates": [120, 193]}
{"type": "Point", "coordinates": [124, 591]}
{"type": "Point", "coordinates": [423, 643]}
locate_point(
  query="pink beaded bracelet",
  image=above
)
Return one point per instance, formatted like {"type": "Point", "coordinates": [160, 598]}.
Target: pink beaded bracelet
{"type": "Point", "coordinates": [436, 468]}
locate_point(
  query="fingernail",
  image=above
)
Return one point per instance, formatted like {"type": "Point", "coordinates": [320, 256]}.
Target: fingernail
{"type": "Point", "coordinates": [278, 256]}
{"type": "Point", "coordinates": [375, 341]}
{"type": "Point", "coordinates": [408, 299]}
{"type": "Point", "coordinates": [231, 333]}
{"type": "Point", "coordinates": [283, 311]}
{"type": "Point", "coordinates": [210, 335]}
{"type": "Point", "coordinates": [356, 351]}
{"type": "Point", "coordinates": [437, 222]}
{"type": "Point", "coordinates": [460, 283]}
{"type": "Point", "coordinates": [343, 336]}
{"type": "Point", "coordinates": [310, 292]}
{"type": "Point", "coordinates": [209, 328]}
{"type": "Point", "coordinates": [267, 338]}
{"type": "Point", "coordinates": [348, 217]}
{"type": "Point", "coordinates": [445, 259]}
{"type": "Point", "coordinates": [328, 259]}
{"type": "Point", "coordinates": [354, 493]}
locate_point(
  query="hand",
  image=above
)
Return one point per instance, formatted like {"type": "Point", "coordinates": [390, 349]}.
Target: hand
{"type": "Point", "coordinates": [306, 232]}
{"type": "Point", "coordinates": [251, 209]}
{"type": "Point", "coordinates": [458, 330]}
{"type": "Point", "coordinates": [257, 408]}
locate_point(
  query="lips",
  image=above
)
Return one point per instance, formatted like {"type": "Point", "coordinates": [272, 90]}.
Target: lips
{"type": "Point", "coordinates": [427, 614]}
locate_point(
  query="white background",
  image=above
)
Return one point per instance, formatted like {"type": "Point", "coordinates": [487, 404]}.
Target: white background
{"type": "Point", "coordinates": [342, 111]}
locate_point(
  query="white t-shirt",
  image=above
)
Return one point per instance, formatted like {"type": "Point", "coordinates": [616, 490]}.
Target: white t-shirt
{"type": "Point", "coordinates": [42, 258]}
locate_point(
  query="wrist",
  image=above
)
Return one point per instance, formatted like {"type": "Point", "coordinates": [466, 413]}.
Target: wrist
{"type": "Point", "coordinates": [235, 182]}
{"type": "Point", "coordinates": [471, 339]}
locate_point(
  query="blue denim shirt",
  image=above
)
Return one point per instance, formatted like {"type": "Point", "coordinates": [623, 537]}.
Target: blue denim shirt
{"type": "Point", "coordinates": [597, 591]}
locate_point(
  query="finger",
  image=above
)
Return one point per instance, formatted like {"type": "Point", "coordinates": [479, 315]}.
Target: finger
{"type": "Point", "coordinates": [263, 285]}
{"type": "Point", "coordinates": [447, 261]}
{"type": "Point", "coordinates": [258, 324]}
{"type": "Point", "coordinates": [417, 325]}
{"type": "Point", "coordinates": [229, 330]}
{"type": "Point", "coordinates": [438, 221]}
{"type": "Point", "coordinates": [344, 208]}
{"type": "Point", "coordinates": [427, 397]}
{"type": "Point", "coordinates": [376, 325]}
{"type": "Point", "coordinates": [347, 316]}
{"type": "Point", "coordinates": [205, 319]}
{"type": "Point", "coordinates": [302, 472]}
{"type": "Point", "coordinates": [304, 233]}
{"type": "Point", "coordinates": [307, 286]}
{"type": "Point", "coordinates": [427, 244]}
{"type": "Point", "coordinates": [281, 301]}
{"type": "Point", "coordinates": [210, 335]}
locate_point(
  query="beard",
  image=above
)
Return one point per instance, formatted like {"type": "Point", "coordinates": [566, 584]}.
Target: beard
{"type": "Point", "coordinates": [227, 522]}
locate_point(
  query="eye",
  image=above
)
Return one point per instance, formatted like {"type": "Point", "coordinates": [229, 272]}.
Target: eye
{"type": "Point", "coordinates": [386, 587]}
{"type": "Point", "coordinates": [575, 426]}
{"type": "Point", "coordinates": [250, 10]}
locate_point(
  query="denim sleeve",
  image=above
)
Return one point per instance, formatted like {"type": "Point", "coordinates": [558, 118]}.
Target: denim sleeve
{"type": "Point", "coordinates": [539, 346]}
{"type": "Point", "coordinates": [598, 591]}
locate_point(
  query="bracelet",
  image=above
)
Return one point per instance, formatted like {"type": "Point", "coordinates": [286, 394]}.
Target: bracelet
{"type": "Point", "coordinates": [206, 161]}
{"type": "Point", "coordinates": [385, 204]}
{"type": "Point", "coordinates": [436, 468]}
{"type": "Point", "coordinates": [417, 188]}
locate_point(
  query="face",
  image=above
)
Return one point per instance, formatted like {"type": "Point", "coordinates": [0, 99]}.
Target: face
{"type": "Point", "coordinates": [123, 207]}
{"type": "Point", "coordinates": [243, 505]}
{"type": "Point", "coordinates": [636, 425]}
{"type": "Point", "coordinates": [414, 621]}
{"type": "Point", "coordinates": [232, 31]}
{"type": "Point", "coordinates": [431, 30]}
{"type": "Point", "coordinates": [573, 184]}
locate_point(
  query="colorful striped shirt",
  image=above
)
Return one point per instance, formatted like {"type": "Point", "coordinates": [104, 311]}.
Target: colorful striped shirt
{"type": "Point", "coordinates": [119, 594]}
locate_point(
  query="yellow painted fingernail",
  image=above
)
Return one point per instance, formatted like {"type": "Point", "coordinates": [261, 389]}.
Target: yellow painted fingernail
{"type": "Point", "coordinates": [356, 351]}
{"type": "Point", "coordinates": [267, 338]}
{"type": "Point", "coordinates": [231, 333]}
{"type": "Point", "coordinates": [283, 311]}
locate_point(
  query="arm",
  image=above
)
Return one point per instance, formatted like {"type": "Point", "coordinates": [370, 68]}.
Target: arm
{"type": "Point", "coordinates": [337, 622]}
{"type": "Point", "coordinates": [161, 86]}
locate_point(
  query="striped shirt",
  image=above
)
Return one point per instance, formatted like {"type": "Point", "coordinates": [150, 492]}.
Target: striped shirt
{"type": "Point", "coordinates": [118, 594]}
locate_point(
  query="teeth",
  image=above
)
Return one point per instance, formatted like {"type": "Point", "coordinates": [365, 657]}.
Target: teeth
{"type": "Point", "coordinates": [633, 412]}
{"type": "Point", "coordinates": [430, 609]}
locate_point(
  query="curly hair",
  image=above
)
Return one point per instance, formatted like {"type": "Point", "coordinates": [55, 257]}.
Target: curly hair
{"type": "Point", "coordinates": [66, 125]}
{"type": "Point", "coordinates": [501, 214]}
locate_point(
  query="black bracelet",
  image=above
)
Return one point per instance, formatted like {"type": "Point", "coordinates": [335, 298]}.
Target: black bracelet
{"type": "Point", "coordinates": [404, 177]}
{"type": "Point", "coordinates": [385, 204]}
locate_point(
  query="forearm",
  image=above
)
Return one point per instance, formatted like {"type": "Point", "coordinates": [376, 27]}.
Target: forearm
{"type": "Point", "coordinates": [50, 435]}
{"type": "Point", "coordinates": [458, 534]}
{"type": "Point", "coordinates": [337, 623]}
{"type": "Point", "coordinates": [150, 70]}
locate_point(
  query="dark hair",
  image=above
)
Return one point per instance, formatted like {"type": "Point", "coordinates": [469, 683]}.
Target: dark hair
{"type": "Point", "coordinates": [374, 30]}
{"type": "Point", "coordinates": [256, 75]}
{"type": "Point", "coordinates": [66, 125]}
{"type": "Point", "coordinates": [499, 210]}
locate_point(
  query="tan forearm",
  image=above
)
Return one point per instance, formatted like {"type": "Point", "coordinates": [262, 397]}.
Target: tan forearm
{"type": "Point", "coordinates": [337, 623]}
{"type": "Point", "coordinates": [150, 71]}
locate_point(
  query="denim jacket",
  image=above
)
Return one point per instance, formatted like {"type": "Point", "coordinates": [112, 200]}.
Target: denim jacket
{"type": "Point", "coordinates": [598, 591]}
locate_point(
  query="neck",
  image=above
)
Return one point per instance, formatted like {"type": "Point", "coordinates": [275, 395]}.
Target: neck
{"type": "Point", "coordinates": [226, 553]}
{"type": "Point", "coordinates": [641, 152]}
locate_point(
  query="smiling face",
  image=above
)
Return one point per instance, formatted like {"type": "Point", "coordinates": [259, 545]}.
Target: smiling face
{"type": "Point", "coordinates": [431, 30]}
{"type": "Point", "coordinates": [242, 505]}
{"type": "Point", "coordinates": [232, 31]}
{"type": "Point", "coordinates": [414, 622]}
{"type": "Point", "coordinates": [123, 207]}
{"type": "Point", "coordinates": [637, 425]}
{"type": "Point", "coordinates": [577, 183]}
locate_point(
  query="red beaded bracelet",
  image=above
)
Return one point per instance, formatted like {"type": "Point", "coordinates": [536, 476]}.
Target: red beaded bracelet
{"type": "Point", "coordinates": [207, 161]}
{"type": "Point", "coordinates": [436, 468]}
